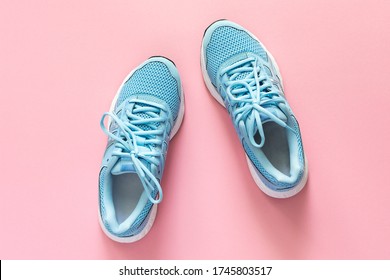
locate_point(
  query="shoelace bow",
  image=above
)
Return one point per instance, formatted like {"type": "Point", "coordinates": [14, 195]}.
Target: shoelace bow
{"type": "Point", "coordinates": [251, 96]}
{"type": "Point", "coordinates": [132, 136]}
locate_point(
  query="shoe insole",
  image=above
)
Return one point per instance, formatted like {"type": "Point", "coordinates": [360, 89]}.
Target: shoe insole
{"type": "Point", "coordinates": [126, 192]}
{"type": "Point", "coordinates": [276, 147]}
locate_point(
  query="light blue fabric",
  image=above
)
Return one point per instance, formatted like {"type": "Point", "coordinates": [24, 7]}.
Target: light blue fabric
{"type": "Point", "coordinates": [244, 75]}
{"type": "Point", "coordinates": [134, 143]}
{"type": "Point", "coordinates": [252, 98]}
{"type": "Point", "coordinates": [225, 42]}
{"type": "Point", "coordinates": [155, 79]}
{"type": "Point", "coordinates": [139, 133]}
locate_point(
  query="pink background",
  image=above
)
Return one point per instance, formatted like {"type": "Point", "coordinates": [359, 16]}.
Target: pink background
{"type": "Point", "coordinates": [61, 63]}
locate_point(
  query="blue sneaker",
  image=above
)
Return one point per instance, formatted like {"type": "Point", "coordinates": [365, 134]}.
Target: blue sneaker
{"type": "Point", "coordinates": [244, 77]}
{"type": "Point", "coordinates": [146, 113]}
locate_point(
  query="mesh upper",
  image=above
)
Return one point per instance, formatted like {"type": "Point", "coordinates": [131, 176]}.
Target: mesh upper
{"type": "Point", "coordinates": [153, 78]}
{"type": "Point", "coordinates": [101, 188]}
{"type": "Point", "coordinates": [226, 42]}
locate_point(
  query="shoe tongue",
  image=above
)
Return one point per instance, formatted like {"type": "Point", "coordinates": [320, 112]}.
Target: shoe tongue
{"type": "Point", "coordinates": [272, 109]}
{"type": "Point", "coordinates": [250, 121]}
{"type": "Point", "coordinates": [146, 127]}
{"type": "Point", "coordinates": [275, 111]}
{"type": "Point", "coordinates": [123, 166]}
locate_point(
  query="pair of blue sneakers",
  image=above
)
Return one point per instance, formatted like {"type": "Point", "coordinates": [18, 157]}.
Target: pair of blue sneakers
{"type": "Point", "coordinates": [148, 110]}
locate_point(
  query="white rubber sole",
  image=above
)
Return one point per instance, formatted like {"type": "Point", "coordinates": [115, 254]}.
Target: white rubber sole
{"type": "Point", "coordinates": [217, 96]}
{"type": "Point", "coordinates": [175, 129]}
